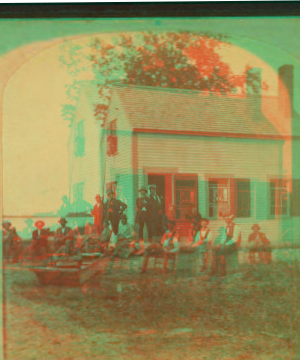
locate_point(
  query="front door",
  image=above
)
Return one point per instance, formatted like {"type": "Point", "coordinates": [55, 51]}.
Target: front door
{"type": "Point", "coordinates": [186, 199]}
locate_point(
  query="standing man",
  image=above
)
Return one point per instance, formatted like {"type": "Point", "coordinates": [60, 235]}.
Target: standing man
{"type": "Point", "coordinates": [142, 214]}
{"type": "Point", "coordinates": [155, 209]}
{"type": "Point", "coordinates": [97, 212]}
{"type": "Point", "coordinates": [227, 248]}
{"type": "Point", "coordinates": [112, 211]}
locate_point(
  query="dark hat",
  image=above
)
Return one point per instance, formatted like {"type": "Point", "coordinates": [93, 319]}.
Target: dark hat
{"type": "Point", "coordinates": [62, 220]}
{"type": "Point", "coordinates": [152, 186]}
{"type": "Point", "coordinates": [109, 191]}
{"type": "Point", "coordinates": [143, 188]}
{"type": "Point", "coordinates": [255, 226]}
{"type": "Point", "coordinates": [172, 222]}
{"type": "Point", "coordinates": [39, 222]}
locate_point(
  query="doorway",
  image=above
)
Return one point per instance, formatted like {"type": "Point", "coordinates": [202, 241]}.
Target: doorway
{"type": "Point", "coordinates": [159, 181]}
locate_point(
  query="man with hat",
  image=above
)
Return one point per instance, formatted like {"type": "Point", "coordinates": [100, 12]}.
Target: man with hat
{"type": "Point", "coordinates": [11, 240]}
{"type": "Point", "coordinates": [97, 212]}
{"type": "Point", "coordinates": [142, 214]}
{"type": "Point", "coordinates": [40, 235]}
{"type": "Point", "coordinates": [227, 248]}
{"type": "Point", "coordinates": [63, 232]}
{"type": "Point", "coordinates": [155, 211]}
{"type": "Point", "coordinates": [259, 243]}
{"type": "Point", "coordinates": [112, 211]}
{"type": "Point", "coordinates": [168, 247]}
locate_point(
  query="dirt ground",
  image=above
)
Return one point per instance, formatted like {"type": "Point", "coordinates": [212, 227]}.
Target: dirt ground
{"type": "Point", "coordinates": [157, 317]}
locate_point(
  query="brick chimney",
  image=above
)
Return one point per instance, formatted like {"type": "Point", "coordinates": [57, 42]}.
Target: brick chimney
{"type": "Point", "coordinates": [253, 92]}
{"type": "Point", "coordinates": [286, 90]}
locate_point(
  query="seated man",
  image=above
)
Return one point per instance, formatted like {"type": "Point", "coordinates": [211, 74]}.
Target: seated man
{"type": "Point", "coordinates": [12, 243]}
{"type": "Point", "coordinates": [168, 247]}
{"type": "Point", "coordinates": [193, 237]}
{"type": "Point", "coordinates": [63, 232]}
{"type": "Point", "coordinates": [258, 242]}
{"type": "Point", "coordinates": [34, 252]}
{"type": "Point", "coordinates": [64, 252]}
{"type": "Point", "coordinates": [124, 238]}
{"type": "Point", "coordinates": [105, 236]}
{"type": "Point", "coordinates": [41, 234]}
{"type": "Point", "coordinates": [225, 252]}
{"type": "Point", "coordinates": [202, 238]}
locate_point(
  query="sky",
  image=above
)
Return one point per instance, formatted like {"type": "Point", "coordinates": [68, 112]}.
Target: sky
{"type": "Point", "coordinates": [35, 135]}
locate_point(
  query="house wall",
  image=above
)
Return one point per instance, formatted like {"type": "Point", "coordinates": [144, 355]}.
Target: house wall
{"type": "Point", "coordinates": [258, 160]}
{"type": "Point", "coordinates": [86, 168]}
{"type": "Point", "coordinates": [119, 167]}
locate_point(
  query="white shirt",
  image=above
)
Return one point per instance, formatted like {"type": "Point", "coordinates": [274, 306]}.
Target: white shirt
{"type": "Point", "coordinates": [166, 241]}
{"type": "Point", "coordinates": [236, 234]}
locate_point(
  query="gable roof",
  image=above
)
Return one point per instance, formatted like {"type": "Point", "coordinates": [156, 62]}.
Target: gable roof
{"type": "Point", "coordinates": [168, 110]}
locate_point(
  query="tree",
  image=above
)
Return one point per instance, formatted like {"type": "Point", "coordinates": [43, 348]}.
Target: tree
{"type": "Point", "coordinates": [180, 60]}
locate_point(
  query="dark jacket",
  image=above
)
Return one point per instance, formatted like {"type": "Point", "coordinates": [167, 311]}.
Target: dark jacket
{"type": "Point", "coordinates": [154, 206]}
{"type": "Point", "coordinates": [43, 237]}
{"type": "Point", "coordinates": [116, 206]}
{"type": "Point", "coordinates": [262, 236]}
{"type": "Point", "coordinates": [63, 231]}
{"type": "Point", "coordinates": [140, 204]}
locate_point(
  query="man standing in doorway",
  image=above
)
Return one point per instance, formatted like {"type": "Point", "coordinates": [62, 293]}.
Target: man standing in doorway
{"type": "Point", "coordinates": [155, 209]}
{"type": "Point", "coordinates": [112, 211]}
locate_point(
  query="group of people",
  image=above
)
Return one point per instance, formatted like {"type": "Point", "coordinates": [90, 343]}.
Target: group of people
{"type": "Point", "coordinates": [113, 236]}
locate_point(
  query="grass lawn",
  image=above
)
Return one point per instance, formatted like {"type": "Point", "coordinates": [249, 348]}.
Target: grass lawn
{"type": "Point", "coordinates": [155, 316]}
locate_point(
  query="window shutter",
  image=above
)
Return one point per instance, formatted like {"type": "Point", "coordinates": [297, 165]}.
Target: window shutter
{"type": "Point", "coordinates": [262, 200]}
{"type": "Point", "coordinates": [243, 199]}
{"type": "Point", "coordinates": [232, 194]}
{"type": "Point", "coordinates": [295, 198]}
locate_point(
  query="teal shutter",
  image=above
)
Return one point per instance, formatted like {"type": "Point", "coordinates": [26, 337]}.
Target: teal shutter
{"type": "Point", "coordinates": [263, 200]}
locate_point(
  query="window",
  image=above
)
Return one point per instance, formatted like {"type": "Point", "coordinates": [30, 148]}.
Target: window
{"type": "Point", "coordinates": [219, 197]}
{"type": "Point", "coordinates": [78, 191]}
{"type": "Point", "coordinates": [112, 140]}
{"type": "Point", "coordinates": [185, 197]}
{"type": "Point", "coordinates": [79, 145]}
{"type": "Point", "coordinates": [279, 197]}
{"type": "Point", "coordinates": [229, 195]}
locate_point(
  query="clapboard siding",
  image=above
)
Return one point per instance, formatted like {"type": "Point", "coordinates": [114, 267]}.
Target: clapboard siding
{"type": "Point", "coordinates": [119, 167]}
{"type": "Point", "coordinates": [86, 168]}
{"type": "Point", "coordinates": [256, 160]}
{"type": "Point", "coordinates": [210, 156]}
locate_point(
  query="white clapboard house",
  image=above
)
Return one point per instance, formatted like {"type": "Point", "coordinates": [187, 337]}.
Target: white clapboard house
{"type": "Point", "coordinates": [205, 151]}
